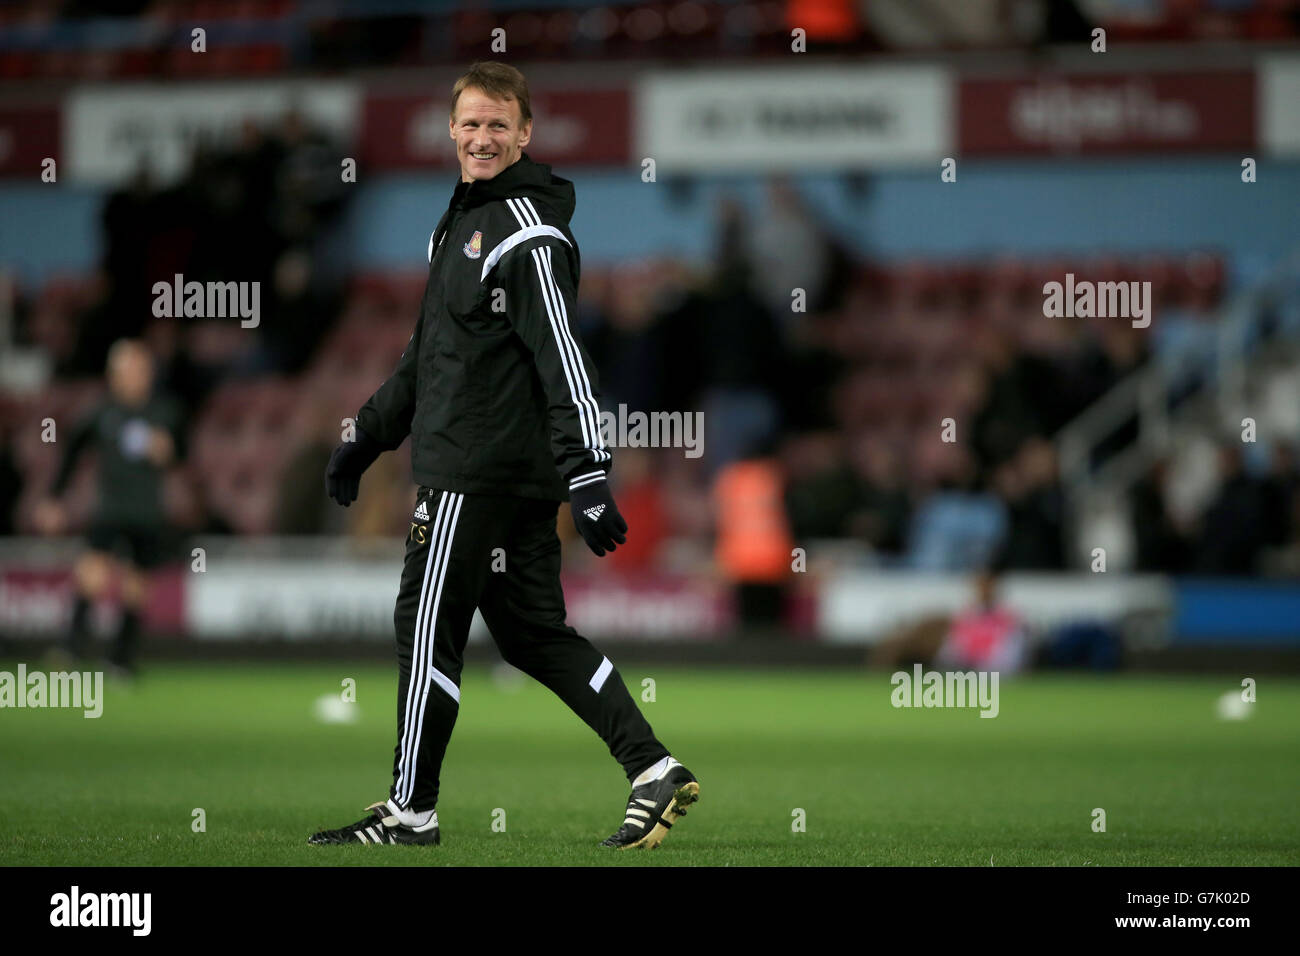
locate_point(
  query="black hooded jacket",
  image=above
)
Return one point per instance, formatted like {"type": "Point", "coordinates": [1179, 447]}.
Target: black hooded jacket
{"type": "Point", "coordinates": [495, 389]}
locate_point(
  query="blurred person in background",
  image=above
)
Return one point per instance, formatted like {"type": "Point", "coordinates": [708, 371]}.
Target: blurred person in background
{"type": "Point", "coordinates": [789, 250]}
{"type": "Point", "coordinates": [1278, 489]}
{"type": "Point", "coordinates": [128, 220]}
{"type": "Point", "coordinates": [959, 525]}
{"type": "Point", "coordinates": [1162, 544]}
{"type": "Point", "coordinates": [1231, 530]}
{"type": "Point", "coordinates": [739, 343]}
{"type": "Point", "coordinates": [1035, 538]}
{"type": "Point", "coordinates": [754, 546]}
{"type": "Point", "coordinates": [860, 494]}
{"type": "Point", "coordinates": [820, 490]}
{"type": "Point", "coordinates": [262, 208]}
{"type": "Point", "coordinates": [309, 192]}
{"type": "Point", "coordinates": [1009, 387]}
{"type": "Point", "coordinates": [301, 309]}
{"type": "Point", "coordinates": [136, 433]}
{"type": "Point", "coordinates": [986, 636]}
{"type": "Point", "coordinates": [628, 342]}
{"type": "Point", "coordinates": [1111, 352]}
{"type": "Point", "coordinates": [884, 507]}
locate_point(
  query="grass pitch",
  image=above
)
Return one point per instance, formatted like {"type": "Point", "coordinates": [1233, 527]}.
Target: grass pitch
{"type": "Point", "coordinates": [877, 785]}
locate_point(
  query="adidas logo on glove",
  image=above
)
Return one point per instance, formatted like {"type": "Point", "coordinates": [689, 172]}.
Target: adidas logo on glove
{"type": "Point", "coordinates": [595, 513]}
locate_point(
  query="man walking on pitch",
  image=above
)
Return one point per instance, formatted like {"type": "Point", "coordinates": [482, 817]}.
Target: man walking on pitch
{"type": "Point", "coordinates": [500, 401]}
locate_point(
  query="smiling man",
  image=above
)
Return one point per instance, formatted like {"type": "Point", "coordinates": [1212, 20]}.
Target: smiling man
{"type": "Point", "coordinates": [490, 134]}
{"type": "Point", "coordinates": [500, 401]}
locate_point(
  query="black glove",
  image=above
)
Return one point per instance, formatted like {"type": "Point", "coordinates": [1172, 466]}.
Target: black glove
{"type": "Point", "coordinates": [596, 517]}
{"type": "Point", "coordinates": [350, 459]}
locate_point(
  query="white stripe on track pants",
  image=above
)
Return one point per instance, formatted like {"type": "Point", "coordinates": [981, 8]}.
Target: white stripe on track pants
{"type": "Point", "coordinates": [448, 573]}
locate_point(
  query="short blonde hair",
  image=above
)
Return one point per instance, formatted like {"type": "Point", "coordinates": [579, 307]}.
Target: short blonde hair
{"type": "Point", "coordinates": [498, 80]}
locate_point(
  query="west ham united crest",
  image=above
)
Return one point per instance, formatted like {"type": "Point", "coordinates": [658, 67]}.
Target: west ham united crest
{"type": "Point", "coordinates": [474, 248]}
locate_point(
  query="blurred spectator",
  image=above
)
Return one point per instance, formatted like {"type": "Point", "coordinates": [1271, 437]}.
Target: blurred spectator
{"type": "Point", "coordinates": [233, 188]}
{"type": "Point", "coordinates": [628, 343]}
{"type": "Point", "coordinates": [863, 496]}
{"type": "Point", "coordinates": [987, 636]}
{"type": "Point", "coordinates": [79, 343]}
{"type": "Point", "coordinates": [261, 209]}
{"type": "Point", "coordinates": [740, 348]}
{"type": "Point", "coordinates": [883, 507]}
{"type": "Point", "coordinates": [790, 249]}
{"type": "Point", "coordinates": [1232, 527]}
{"type": "Point", "coordinates": [1035, 509]}
{"type": "Point", "coordinates": [1278, 490]}
{"type": "Point", "coordinates": [753, 548]}
{"type": "Point", "coordinates": [1186, 336]}
{"type": "Point", "coordinates": [821, 491]}
{"type": "Point", "coordinates": [1106, 359]}
{"type": "Point", "coordinates": [301, 309]}
{"type": "Point", "coordinates": [309, 192]}
{"type": "Point", "coordinates": [1162, 545]}
{"type": "Point", "coordinates": [810, 368]}
{"type": "Point", "coordinates": [959, 526]}
{"type": "Point", "coordinates": [681, 374]}
{"type": "Point", "coordinates": [178, 374]}
{"type": "Point", "coordinates": [1010, 409]}
{"type": "Point", "coordinates": [130, 218]}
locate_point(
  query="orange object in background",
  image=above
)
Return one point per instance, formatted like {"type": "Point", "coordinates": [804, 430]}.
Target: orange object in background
{"type": "Point", "coordinates": [642, 506]}
{"type": "Point", "coordinates": [754, 541]}
{"type": "Point", "coordinates": [824, 19]}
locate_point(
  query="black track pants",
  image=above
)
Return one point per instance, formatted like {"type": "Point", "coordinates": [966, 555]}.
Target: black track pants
{"type": "Point", "coordinates": [450, 558]}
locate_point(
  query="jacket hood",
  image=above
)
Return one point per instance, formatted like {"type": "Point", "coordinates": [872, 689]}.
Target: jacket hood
{"type": "Point", "coordinates": [522, 178]}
